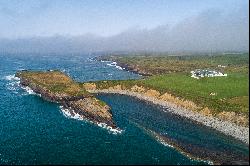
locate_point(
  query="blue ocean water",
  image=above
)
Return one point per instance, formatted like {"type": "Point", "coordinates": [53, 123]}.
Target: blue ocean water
{"type": "Point", "coordinates": [34, 131]}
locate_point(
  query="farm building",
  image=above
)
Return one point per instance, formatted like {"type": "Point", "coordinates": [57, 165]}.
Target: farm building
{"type": "Point", "coordinates": [199, 73]}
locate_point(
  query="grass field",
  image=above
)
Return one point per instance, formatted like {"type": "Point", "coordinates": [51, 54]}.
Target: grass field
{"type": "Point", "coordinates": [168, 64]}
{"type": "Point", "coordinates": [171, 74]}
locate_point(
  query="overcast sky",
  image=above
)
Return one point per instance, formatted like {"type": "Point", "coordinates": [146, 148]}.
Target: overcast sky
{"type": "Point", "coordinates": [126, 24]}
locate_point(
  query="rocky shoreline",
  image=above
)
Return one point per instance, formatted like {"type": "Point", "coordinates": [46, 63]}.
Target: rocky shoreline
{"type": "Point", "coordinates": [127, 67]}
{"type": "Point", "coordinates": [228, 128]}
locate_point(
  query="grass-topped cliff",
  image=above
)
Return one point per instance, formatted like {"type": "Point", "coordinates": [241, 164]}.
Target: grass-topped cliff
{"type": "Point", "coordinates": [224, 97]}
{"type": "Point", "coordinates": [54, 81]}
{"type": "Point", "coordinates": [56, 86]}
{"type": "Point", "coordinates": [154, 65]}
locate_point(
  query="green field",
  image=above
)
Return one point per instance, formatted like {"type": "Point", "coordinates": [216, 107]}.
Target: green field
{"type": "Point", "coordinates": [168, 64]}
{"type": "Point", "coordinates": [231, 93]}
{"type": "Point", "coordinates": [171, 74]}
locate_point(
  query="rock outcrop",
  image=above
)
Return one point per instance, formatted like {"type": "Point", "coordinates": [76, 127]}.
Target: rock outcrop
{"type": "Point", "coordinates": [85, 104]}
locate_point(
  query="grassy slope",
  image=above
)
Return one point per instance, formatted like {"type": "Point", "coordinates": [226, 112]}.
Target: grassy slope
{"type": "Point", "coordinates": [169, 64]}
{"type": "Point", "coordinates": [231, 91]}
{"type": "Point", "coordinates": [55, 81]}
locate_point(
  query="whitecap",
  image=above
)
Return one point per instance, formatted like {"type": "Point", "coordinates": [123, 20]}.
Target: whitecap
{"type": "Point", "coordinates": [112, 64]}
{"type": "Point", "coordinates": [105, 61]}
{"type": "Point", "coordinates": [11, 86]}
{"type": "Point", "coordinates": [119, 67]}
{"type": "Point", "coordinates": [109, 64]}
{"type": "Point", "coordinates": [110, 129]}
{"type": "Point", "coordinates": [90, 59]}
{"type": "Point", "coordinates": [28, 90]}
{"type": "Point", "coordinates": [115, 65]}
{"type": "Point", "coordinates": [164, 142]}
{"type": "Point", "coordinates": [12, 78]}
{"type": "Point", "coordinates": [13, 83]}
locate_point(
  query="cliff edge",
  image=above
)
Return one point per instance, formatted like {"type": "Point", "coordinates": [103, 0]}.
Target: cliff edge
{"type": "Point", "coordinates": [55, 86]}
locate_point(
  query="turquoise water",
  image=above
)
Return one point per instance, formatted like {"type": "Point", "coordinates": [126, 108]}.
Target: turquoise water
{"type": "Point", "coordinates": [34, 131]}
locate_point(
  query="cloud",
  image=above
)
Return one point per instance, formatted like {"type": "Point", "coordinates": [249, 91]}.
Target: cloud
{"type": "Point", "coordinates": [212, 30]}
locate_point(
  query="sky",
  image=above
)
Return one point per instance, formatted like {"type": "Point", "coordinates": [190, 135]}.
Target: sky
{"type": "Point", "coordinates": [108, 21]}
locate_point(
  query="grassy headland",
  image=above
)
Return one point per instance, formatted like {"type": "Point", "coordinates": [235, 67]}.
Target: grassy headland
{"type": "Point", "coordinates": [152, 65]}
{"type": "Point", "coordinates": [55, 81]}
{"type": "Point", "coordinates": [224, 97]}
{"type": "Point", "coordinates": [56, 86]}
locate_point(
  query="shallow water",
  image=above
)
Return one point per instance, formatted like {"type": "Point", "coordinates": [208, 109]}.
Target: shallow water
{"type": "Point", "coordinates": [34, 131]}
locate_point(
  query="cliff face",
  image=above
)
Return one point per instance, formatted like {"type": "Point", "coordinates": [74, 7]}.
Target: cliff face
{"type": "Point", "coordinates": [68, 93]}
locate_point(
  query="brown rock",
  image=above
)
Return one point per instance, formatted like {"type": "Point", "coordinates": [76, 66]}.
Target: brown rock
{"type": "Point", "coordinates": [139, 89]}
{"type": "Point", "coordinates": [152, 93]}
{"type": "Point", "coordinates": [89, 86]}
{"type": "Point", "coordinates": [205, 111]}
{"type": "Point", "coordinates": [233, 117]}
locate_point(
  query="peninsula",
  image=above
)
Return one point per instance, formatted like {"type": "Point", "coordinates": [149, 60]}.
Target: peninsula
{"type": "Point", "coordinates": [55, 86]}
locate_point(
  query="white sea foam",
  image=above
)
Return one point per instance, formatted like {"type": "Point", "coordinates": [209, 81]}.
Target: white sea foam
{"type": "Point", "coordinates": [191, 158]}
{"type": "Point", "coordinates": [119, 67]}
{"type": "Point", "coordinates": [71, 114]}
{"type": "Point", "coordinates": [29, 90]}
{"type": "Point", "coordinates": [13, 83]}
{"type": "Point", "coordinates": [90, 59]}
{"type": "Point", "coordinates": [105, 61]}
{"type": "Point", "coordinates": [163, 142]}
{"type": "Point", "coordinates": [110, 129]}
{"type": "Point", "coordinates": [115, 65]}
{"type": "Point", "coordinates": [12, 78]}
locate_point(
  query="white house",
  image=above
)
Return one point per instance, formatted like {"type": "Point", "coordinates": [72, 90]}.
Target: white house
{"type": "Point", "coordinates": [199, 73]}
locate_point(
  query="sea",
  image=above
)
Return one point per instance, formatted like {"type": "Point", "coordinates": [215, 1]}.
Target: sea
{"type": "Point", "coordinates": [35, 131]}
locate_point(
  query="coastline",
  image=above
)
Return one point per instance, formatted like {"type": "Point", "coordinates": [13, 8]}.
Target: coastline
{"type": "Point", "coordinates": [225, 127]}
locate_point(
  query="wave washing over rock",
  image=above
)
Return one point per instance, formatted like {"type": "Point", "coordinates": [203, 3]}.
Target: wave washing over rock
{"type": "Point", "coordinates": [12, 78]}
{"type": "Point", "coordinates": [71, 114]}
{"type": "Point", "coordinates": [29, 90]}
{"type": "Point", "coordinates": [115, 65]}
{"type": "Point", "coordinates": [13, 83]}
{"type": "Point", "coordinates": [78, 103]}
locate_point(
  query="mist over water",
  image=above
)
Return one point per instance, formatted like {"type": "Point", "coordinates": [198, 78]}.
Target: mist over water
{"type": "Point", "coordinates": [34, 131]}
{"type": "Point", "coordinates": [212, 30]}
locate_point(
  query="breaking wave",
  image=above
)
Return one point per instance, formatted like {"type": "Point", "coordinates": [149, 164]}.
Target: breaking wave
{"type": "Point", "coordinates": [15, 86]}
{"type": "Point", "coordinates": [29, 90]}
{"type": "Point", "coordinates": [115, 65]}
{"type": "Point", "coordinates": [12, 78]}
{"type": "Point", "coordinates": [110, 129]}
{"type": "Point", "coordinates": [105, 61]}
{"type": "Point", "coordinates": [163, 142]}
{"type": "Point", "coordinates": [70, 114]}
{"type": "Point", "coordinates": [13, 83]}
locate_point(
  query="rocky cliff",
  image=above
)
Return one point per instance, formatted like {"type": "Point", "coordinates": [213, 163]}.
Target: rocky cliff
{"type": "Point", "coordinates": [55, 86]}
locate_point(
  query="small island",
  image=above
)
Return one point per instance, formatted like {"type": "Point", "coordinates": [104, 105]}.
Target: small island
{"type": "Point", "coordinates": [56, 86]}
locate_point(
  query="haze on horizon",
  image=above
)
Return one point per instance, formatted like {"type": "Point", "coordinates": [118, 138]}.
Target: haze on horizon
{"type": "Point", "coordinates": [43, 26]}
